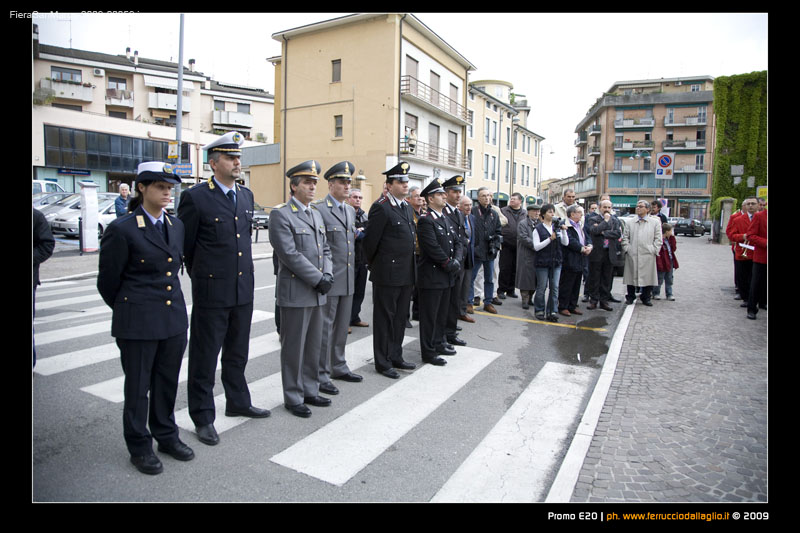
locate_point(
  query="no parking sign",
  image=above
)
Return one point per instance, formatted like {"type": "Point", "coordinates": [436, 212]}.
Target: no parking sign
{"type": "Point", "coordinates": [665, 163]}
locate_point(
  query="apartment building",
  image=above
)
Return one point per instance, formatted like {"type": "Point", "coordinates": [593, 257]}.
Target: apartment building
{"type": "Point", "coordinates": [372, 89]}
{"type": "Point", "coordinates": [621, 135]}
{"type": "Point", "coordinates": [97, 116]}
{"type": "Point", "coordinates": [503, 153]}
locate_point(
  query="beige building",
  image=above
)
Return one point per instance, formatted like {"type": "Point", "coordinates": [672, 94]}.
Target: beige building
{"type": "Point", "coordinates": [503, 153]}
{"type": "Point", "coordinates": [624, 131]}
{"type": "Point", "coordinates": [97, 116]}
{"type": "Point", "coordinates": [373, 89]}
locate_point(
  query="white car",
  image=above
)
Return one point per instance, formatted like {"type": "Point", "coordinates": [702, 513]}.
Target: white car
{"type": "Point", "coordinates": [40, 186]}
{"type": "Point", "coordinates": [66, 222]}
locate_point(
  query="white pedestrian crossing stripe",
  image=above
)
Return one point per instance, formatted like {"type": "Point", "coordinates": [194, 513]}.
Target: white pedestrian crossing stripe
{"type": "Point", "coordinates": [513, 462]}
{"type": "Point", "coordinates": [69, 361]}
{"type": "Point", "coordinates": [355, 439]}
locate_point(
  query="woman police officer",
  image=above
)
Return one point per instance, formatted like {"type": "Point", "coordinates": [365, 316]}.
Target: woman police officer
{"type": "Point", "coordinates": [140, 256]}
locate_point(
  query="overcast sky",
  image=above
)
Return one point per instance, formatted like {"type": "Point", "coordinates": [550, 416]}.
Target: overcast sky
{"type": "Point", "coordinates": [562, 62]}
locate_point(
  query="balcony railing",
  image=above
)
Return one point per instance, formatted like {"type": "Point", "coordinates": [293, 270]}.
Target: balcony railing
{"type": "Point", "coordinates": [694, 120]}
{"type": "Point", "coordinates": [412, 86]}
{"type": "Point", "coordinates": [119, 97]}
{"type": "Point", "coordinates": [634, 122]}
{"type": "Point", "coordinates": [634, 145]}
{"type": "Point", "coordinates": [434, 154]}
{"type": "Point", "coordinates": [686, 144]}
{"type": "Point", "coordinates": [68, 90]}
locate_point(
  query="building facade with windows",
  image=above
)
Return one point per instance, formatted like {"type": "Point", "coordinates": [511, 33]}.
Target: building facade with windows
{"type": "Point", "coordinates": [97, 116]}
{"type": "Point", "coordinates": [503, 153]}
{"type": "Point", "coordinates": [619, 139]}
{"type": "Point", "coordinates": [372, 89]}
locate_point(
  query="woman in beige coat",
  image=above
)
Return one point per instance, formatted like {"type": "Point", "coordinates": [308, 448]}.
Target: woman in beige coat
{"type": "Point", "coordinates": [641, 241]}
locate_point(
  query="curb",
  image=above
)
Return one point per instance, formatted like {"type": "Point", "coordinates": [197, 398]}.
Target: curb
{"type": "Point", "coordinates": [567, 477]}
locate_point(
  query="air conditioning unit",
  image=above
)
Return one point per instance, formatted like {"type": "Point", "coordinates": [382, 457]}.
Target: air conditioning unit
{"type": "Point", "coordinates": [99, 72]}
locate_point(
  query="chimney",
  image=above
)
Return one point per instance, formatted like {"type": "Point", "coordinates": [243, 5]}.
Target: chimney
{"type": "Point", "coordinates": [128, 53]}
{"type": "Point", "coordinates": [136, 57]}
{"type": "Point", "coordinates": [191, 65]}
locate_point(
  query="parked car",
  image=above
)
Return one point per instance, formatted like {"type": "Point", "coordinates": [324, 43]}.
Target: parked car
{"type": "Point", "coordinates": [42, 199]}
{"type": "Point", "coordinates": [260, 217]}
{"type": "Point", "coordinates": [71, 202]}
{"type": "Point", "coordinates": [689, 226]}
{"type": "Point", "coordinates": [40, 186]}
{"type": "Point", "coordinates": [66, 221]}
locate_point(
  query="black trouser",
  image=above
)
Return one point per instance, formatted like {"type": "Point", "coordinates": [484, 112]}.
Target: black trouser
{"type": "Point", "coordinates": [389, 314]}
{"type": "Point", "coordinates": [433, 311]}
{"type": "Point", "coordinates": [743, 270]}
{"type": "Point", "coordinates": [215, 328]}
{"type": "Point", "coordinates": [569, 290]}
{"type": "Point", "coordinates": [151, 370]}
{"type": "Point", "coordinates": [645, 294]}
{"type": "Point", "coordinates": [601, 276]}
{"type": "Point", "coordinates": [758, 288]}
{"type": "Point", "coordinates": [454, 307]}
{"type": "Point", "coordinates": [360, 290]}
{"type": "Point", "coordinates": [507, 275]}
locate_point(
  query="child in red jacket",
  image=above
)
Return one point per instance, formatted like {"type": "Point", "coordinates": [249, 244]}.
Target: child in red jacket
{"type": "Point", "coordinates": [666, 263]}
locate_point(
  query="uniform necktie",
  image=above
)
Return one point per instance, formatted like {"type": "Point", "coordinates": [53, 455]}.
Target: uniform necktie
{"type": "Point", "coordinates": [161, 229]}
{"type": "Point", "coordinates": [232, 196]}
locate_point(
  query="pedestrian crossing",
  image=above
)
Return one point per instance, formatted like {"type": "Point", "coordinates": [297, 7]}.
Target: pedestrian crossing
{"type": "Point", "coordinates": [513, 462]}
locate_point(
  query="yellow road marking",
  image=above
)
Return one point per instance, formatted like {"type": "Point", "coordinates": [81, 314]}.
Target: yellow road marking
{"type": "Point", "coordinates": [571, 326]}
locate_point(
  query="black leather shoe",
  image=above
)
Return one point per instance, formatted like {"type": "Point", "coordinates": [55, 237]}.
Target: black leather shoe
{"type": "Point", "coordinates": [604, 306]}
{"type": "Point", "coordinates": [390, 373]}
{"type": "Point", "coordinates": [495, 301]}
{"type": "Point", "coordinates": [352, 378]}
{"type": "Point", "coordinates": [404, 365]}
{"type": "Point", "coordinates": [445, 350]}
{"type": "Point", "coordinates": [614, 300]}
{"type": "Point", "coordinates": [438, 361]}
{"type": "Point", "coordinates": [648, 303]}
{"type": "Point", "coordinates": [207, 434]}
{"type": "Point", "coordinates": [317, 401]}
{"type": "Point", "coordinates": [147, 464]}
{"type": "Point", "coordinates": [512, 294]}
{"type": "Point", "coordinates": [501, 295]}
{"type": "Point", "coordinates": [178, 450]}
{"type": "Point", "coordinates": [456, 341]}
{"type": "Point", "coordinates": [751, 316]}
{"type": "Point", "coordinates": [252, 412]}
{"type": "Point", "coordinates": [328, 388]}
{"type": "Point", "coordinates": [299, 410]}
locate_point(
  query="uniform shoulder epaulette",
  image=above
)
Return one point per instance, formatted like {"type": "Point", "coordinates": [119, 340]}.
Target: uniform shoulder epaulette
{"type": "Point", "coordinates": [382, 200]}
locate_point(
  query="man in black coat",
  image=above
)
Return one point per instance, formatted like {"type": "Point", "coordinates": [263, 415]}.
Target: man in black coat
{"type": "Point", "coordinates": [507, 274]}
{"type": "Point", "coordinates": [438, 267]}
{"type": "Point", "coordinates": [218, 218]}
{"type": "Point", "coordinates": [355, 199]}
{"type": "Point", "coordinates": [605, 231]}
{"type": "Point", "coordinates": [453, 188]}
{"type": "Point", "coordinates": [389, 249]}
{"type": "Point", "coordinates": [487, 239]}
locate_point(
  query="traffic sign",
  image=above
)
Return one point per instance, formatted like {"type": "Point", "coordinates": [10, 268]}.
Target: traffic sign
{"type": "Point", "coordinates": [665, 163]}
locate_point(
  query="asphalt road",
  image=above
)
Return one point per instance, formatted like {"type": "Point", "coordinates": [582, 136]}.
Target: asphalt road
{"type": "Point", "coordinates": [392, 441]}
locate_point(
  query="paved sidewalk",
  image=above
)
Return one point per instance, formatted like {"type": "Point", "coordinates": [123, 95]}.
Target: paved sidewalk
{"type": "Point", "coordinates": [685, 418]}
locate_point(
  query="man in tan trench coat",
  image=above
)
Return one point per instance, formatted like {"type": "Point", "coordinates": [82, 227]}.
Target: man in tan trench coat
{"type": "Point", "coordinates": [641, 242]}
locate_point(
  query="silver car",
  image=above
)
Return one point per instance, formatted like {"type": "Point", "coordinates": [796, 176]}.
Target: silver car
{"type": "Point", "coordinates": [65, 222]}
